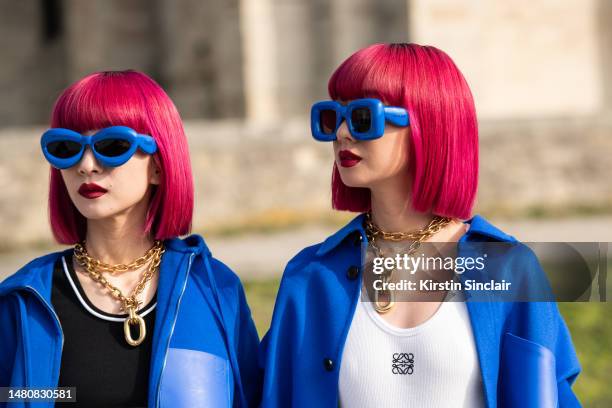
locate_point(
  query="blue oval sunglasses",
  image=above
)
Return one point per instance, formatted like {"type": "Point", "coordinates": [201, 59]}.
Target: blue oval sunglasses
{"type": "Point", "coordinates": [365, 118]}
{"type": "Point", "coordinates": [112, 146]}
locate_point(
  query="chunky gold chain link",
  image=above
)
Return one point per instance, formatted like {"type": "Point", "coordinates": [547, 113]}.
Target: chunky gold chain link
{"type": "Point", "coordinates": [96, 268]}
{"type": "Point", "coordinates": [80, 251]}
{"type": "Point", "coordinates": [434, 226]}
{"type": "Point", "coordinates": [374, 232]}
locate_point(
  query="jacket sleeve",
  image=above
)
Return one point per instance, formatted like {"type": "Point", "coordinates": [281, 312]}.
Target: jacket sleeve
{"type": "Point", "coordinates": [247, 352]}
{"type": "Point", "coordinates": [278, 350]}
{"type": "Point", "coordinates": [538, 333]}
{"type": "Point", "coordinates": [276, 353]}
{"type": "Point", "coordinates": [558, 340]}
{"type": "Point", "coordinates": [8, 330]}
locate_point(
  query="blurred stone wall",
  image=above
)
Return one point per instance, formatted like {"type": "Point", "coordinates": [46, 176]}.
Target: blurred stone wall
{"type": "Point", "coordinates": [191, 47]}
{"type": "Point", "coordinates": [242, 171]}
{"type": "Point", "coordinates": [216, 58]}
{"type": "Point", "coordinates": [267, 60]}
{"type": "Point", "coordinates": [522, 58]}
{"type": "Point", "coordinates": [32, 62]}
{"type": "Point", "coordinates": [243, 74]}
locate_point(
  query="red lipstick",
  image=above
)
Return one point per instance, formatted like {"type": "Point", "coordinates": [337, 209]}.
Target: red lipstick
{"type": "Point", "coordinates": [348, 159]}
{"type": "Point", "coordinates": [91, 190]}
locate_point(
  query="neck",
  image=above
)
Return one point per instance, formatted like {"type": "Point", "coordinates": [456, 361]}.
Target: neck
{"type": "Point", "coordinates": [392, 210]}
{"type": "Point", "coordinates": [118, 239]}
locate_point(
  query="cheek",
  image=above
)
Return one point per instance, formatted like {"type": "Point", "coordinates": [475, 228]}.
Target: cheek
{"type": "Point", "coordinates": [131, 179]}
{"type": "Point", "coordinates": [70, 179]}
{"type": "Point", "coordinates": [390, 153]}
{"type": "Point", "coordinates": [335, 147]}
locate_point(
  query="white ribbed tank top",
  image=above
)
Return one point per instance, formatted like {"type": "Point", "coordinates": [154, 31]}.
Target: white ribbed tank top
{"type": "Point", "coordinates": [434, 364]}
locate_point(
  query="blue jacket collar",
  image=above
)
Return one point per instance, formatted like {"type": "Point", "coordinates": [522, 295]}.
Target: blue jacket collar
{"type": "Point", "coordinates": [478, 226]}
{"type": "Point", "coordinates": [193, 243]}
{"type": "Point", "coordinates": [356, 224]}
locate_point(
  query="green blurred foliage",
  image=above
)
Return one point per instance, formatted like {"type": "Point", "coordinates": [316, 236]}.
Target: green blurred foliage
{"type": "Point", "coordinates": [261, 295]}
{"type": "Point", "coordinates": [590, 325]}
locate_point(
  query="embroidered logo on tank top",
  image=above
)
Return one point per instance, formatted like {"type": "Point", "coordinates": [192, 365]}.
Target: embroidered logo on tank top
{"type": "Point", "coordinates": [402, 364]}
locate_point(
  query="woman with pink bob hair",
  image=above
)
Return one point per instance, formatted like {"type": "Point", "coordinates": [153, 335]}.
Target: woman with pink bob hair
{"type": "Point", "coordinates": [130, 315]}
{"type": "Point", "coordinates": [358, 321]}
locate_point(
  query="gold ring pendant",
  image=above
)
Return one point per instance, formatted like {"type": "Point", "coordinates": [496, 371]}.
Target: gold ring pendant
{"type": "Point", "coordinates": [383, 306]}
{"type": "Point", "coordinates": [134, 319]}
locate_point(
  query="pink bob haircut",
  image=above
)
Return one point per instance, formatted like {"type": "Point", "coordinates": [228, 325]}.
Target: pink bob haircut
{"type": "Point", "coordinates": [444, 131]}
{"type": "Point", "coordinates": [126, 98]}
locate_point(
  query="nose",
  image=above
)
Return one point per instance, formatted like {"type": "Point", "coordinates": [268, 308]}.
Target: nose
{"type": "Point", "coordinates": [88, 164]}
{"type": "Point", "coordinates": [343, 134]}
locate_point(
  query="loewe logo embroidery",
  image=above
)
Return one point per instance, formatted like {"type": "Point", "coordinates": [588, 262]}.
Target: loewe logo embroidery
{"type": "Point", "coordinates": [403, 363]}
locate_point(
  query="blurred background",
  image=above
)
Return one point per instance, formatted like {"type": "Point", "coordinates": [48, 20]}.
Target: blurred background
{"type": "Point", "coordinates": [243, 74]}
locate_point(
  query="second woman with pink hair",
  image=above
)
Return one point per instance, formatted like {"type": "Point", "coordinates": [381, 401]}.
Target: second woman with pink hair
{"type": "Point", "coordinates": [403, 127]}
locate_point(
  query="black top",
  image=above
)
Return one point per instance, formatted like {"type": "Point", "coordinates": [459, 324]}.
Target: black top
{"type": "Point", "coordinates": [96, 359]}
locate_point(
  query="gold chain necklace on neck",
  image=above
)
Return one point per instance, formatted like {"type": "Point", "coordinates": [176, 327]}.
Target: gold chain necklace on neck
{"type": "Point", "coordinates": [374, 232]}
{"type": "Point", "coordinates": [95, 270]}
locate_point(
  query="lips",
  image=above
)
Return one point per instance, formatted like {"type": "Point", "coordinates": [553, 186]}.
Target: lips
{"type": "Point", "coordinates": [91, 190]}
{"type": "Point", "coordinates": [348, 159]}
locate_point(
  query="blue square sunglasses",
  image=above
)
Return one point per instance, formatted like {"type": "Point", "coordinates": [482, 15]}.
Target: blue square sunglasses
{"type": "Point", "coordinates": [365, 118]}
{"type": "Point", "coordinates": [111, 146]}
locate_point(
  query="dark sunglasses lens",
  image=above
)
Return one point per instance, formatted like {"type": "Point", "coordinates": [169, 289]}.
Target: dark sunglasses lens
{"type": "Point", "coordinates": [327, 119]}
{"type": "Point", "coordinates": [112, 147]}
{"type": "Point", "coordinates": [63, 149]}
{"type": "Point", "coordinates": [361, 120]}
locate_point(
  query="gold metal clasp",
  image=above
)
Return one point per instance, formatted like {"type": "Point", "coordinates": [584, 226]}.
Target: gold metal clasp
{"type": "Point", "coordinates": [134, 319]}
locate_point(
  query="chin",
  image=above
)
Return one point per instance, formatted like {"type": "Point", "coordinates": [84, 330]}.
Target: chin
{"type": "Point", "coordinates": [93, 209]}
{"type": "Point", "coordinates": [352, 178]}
{"type": "Point", "coordinates": [94, 213]}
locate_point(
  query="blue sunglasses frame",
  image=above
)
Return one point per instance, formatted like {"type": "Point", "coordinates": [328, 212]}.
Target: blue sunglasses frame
{"type": "Point", "coordinates": [145, 143]}
{"type": "Point", "coordinates": [379, 114]}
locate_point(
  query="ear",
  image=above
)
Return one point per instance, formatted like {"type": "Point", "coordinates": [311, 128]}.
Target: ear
{"type": "Point", "coordinates": [155, 173]}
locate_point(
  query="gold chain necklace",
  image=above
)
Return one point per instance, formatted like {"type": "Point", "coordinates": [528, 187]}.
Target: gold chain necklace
{"type": "Point", "coordinates": [373, 232]}
{"type": "Point", "coordinates": [130, 304]}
